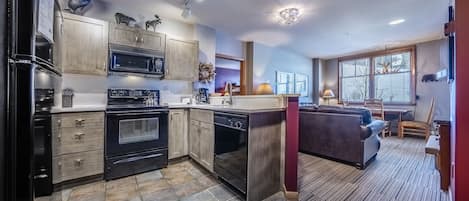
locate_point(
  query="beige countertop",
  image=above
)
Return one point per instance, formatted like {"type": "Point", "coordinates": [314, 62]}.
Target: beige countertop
{"type": "Point", "coordinates": [227, 108]}
{"type": "Point", "coordinates": [79, 108]}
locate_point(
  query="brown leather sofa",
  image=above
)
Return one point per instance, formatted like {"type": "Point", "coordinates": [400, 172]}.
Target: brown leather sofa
{"type": "Point", "coordinates": [347, 135]}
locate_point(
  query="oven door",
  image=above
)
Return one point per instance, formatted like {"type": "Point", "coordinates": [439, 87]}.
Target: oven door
{"type": "Point", "coordinates": [231, 156]}
{"type": "Point", "coordinates": [133, 132]}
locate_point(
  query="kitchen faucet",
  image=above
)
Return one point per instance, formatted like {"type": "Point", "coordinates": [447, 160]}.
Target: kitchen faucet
{"type": "Point", "coordinates": [229, 88]}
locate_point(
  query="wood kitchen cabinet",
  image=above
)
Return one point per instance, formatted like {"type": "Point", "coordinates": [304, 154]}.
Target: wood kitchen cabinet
{"type": "Point", "coordinates": [84, 45]}
{"type": "Point", "coordinates": [182, 60]}
{"type": "Point", "coordinates": [207, 137]}
{"type": "Point", "coordinates": [178, 139]}
{"type": "Point", "coordinates": [77, 145]}
{"type": "Point", "coordinates": [202, 137]}
{"type": "Point", "coordinates": [135, 37]}
{"type": "Point", "coordinates": [194, 140]}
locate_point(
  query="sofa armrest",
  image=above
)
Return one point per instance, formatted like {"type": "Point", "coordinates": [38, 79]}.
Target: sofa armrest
{"type": "Point", "coordinates": [375, 127]}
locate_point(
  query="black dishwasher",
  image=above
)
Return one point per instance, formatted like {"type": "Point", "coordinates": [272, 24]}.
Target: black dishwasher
{"type": "Point", "coordinates": [231, 149]}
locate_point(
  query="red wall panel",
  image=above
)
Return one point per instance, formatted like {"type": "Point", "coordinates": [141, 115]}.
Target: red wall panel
{"type": "Point", "coordinates": [461, 180]}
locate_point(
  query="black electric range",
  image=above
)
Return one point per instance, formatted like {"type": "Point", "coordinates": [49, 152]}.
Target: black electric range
{"type": "Point", "coordinates": [136, 132]}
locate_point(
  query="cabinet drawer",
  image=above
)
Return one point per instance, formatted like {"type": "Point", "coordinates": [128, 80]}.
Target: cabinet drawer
{"type": "Point", "coordinates": [73, 140]}
{"type": "Point", "coordinates": [73, 166]}
{"type": "Point", "coordinates": [78, 120]}
{"type": "Point", "coordinates": [202, 115]}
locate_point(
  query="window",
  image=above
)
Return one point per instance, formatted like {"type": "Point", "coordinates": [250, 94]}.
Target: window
{"type": "Point", "coordinates": [292, 83]}
{"type": "Point", "coordinates": [386, 76]}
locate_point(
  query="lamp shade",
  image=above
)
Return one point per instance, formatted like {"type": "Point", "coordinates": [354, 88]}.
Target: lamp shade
{"type": "Point", "coordinates": [328, 94]}
{"type": "Point", "coordinates": [264, 89]}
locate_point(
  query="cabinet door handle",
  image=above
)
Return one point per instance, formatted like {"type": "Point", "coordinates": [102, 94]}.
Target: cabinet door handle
{"type": "Point", "coordinates": [59, 137]}
{"type": "Point", "coordinates": [136, 38]}
{"type": "Point", "coordinates": [59, 123]}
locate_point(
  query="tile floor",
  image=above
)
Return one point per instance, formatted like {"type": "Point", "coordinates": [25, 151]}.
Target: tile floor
{"type": "Point", "coordinates": [183, 181]}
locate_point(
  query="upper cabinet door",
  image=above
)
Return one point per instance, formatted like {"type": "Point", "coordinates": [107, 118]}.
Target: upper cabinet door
{"type": "Point", "coordinates": [152, 40]}
{"type": "Point", "coordinates": [136, 37]}
{"type": "Point", "coordinates": [123, 35]}
{"type": "Point", "coordinates": [182, 60]}
{"type": "Point", "coordinates": [85, 45]}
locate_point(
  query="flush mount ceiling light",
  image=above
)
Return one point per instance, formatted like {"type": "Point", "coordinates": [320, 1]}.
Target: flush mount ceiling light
{"type": "Point", "coordinates": [290, 16]}
{"type": "Point", "coordinates": [396, 22]}
{"type": "Point", "coordinates": [187, 10]}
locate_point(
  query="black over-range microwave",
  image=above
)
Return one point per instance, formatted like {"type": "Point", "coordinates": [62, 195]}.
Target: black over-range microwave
{"type": "Point", "coordinates": [135, 60]}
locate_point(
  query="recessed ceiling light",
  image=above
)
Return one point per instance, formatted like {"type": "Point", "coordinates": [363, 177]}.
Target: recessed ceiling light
{"type": "Point", "coordinates": [398, 21]}
{"type": "Point", "coordinates": [290, 15]}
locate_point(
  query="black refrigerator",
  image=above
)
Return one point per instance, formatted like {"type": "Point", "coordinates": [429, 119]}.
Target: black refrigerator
{"type": "Point", "coordinates": [30, 68]}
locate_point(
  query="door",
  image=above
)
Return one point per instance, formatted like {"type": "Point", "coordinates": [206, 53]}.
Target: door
{"type": "Point", "coordinates": [123, 35]}
{"type": "Point", "coordinates": [206, 145]}
{"type": "Point", "coordinates": [182, 60]}
{"type": "Point", "coordinates": [194, 140]}
{"type": "Point", "coordinates": [129, 132]}
{"type": "Point", "coordinates": [178, 141]}
{"type": "Point", "coordinates": [152, 41]}
{"type": "Point", "coordinates": [85, 45]}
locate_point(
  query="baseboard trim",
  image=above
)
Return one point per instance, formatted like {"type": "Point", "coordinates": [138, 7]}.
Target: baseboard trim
{"type": "Point", "coordinates": [290, 195]}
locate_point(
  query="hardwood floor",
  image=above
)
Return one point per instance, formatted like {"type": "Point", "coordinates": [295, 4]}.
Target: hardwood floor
{"type": "Point", "coordinates": [402, 171]}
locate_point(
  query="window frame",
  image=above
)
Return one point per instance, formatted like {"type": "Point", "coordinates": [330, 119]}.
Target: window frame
{"type": "Point", "coordinates": [294, 83]}
{"type": "Point", "coordinates": [371, 88]}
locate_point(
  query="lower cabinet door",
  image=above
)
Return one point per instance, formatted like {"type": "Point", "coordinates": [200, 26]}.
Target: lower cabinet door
{"type": "Point", "coordinates": [194, 140]}
{"type": "Point", "coordinates": [178, 141]}
{"type": "Point", "coordinates": [72, 166]}
{"type": "Point", "coordinates": [207, 145]}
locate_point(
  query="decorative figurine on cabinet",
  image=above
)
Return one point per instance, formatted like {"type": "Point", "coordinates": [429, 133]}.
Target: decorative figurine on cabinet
{"type": "Point", "coordinates": [153, 23]}
{"type": "Point", "coordinates": [124, 19]}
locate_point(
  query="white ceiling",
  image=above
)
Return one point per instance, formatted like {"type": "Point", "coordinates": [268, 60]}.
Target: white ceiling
{"type": "Point", "coordinates": [327, 29]}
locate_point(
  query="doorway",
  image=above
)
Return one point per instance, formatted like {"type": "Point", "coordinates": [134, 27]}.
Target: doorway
{"type": "Point", "coordinates": [229, 69]}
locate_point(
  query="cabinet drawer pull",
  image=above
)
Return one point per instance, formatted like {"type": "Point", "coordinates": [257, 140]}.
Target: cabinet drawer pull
{"type": "Point", "coordinates": [59, 123]}
{"type": "Point", "coordinates": [78, 162]}
{"type": "Point", "coordinates": [59, 164]}
{"type": "Point", "coordinates": [79, 122]}
{"type": "Point", "coordinates": [79, 136]}
{"type": "Point", "coordinates": [59, 137]}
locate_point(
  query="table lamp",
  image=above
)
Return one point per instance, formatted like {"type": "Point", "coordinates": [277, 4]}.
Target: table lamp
{"type": "Point", "coordinates": [264, 89]}
{"type": "Point", "coordinates": [328, 94]}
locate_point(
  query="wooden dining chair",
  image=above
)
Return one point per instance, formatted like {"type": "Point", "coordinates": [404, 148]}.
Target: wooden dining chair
{"type": "Point", "coordinates": [418, 128]}
{"type": "Point", "coordinates": [376, 107]}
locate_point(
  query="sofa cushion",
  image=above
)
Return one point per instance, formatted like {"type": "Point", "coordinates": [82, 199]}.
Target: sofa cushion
{"type": "Point", "coordinates": [365, 113]}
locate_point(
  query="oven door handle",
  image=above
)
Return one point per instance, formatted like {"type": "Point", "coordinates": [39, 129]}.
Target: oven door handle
{"type": "Point", "coordinates": [136, 158]}
{"type": "Point", "coordinates": [133, 114]}
{"type": "Point", "coordinates": [137, 112]}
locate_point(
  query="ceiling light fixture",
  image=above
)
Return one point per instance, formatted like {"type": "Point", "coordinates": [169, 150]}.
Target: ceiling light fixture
{"type": "Point", "coordinates": [396, 22]}
{"type": "Point", "coordinates": [290, 16]}
{"type": "Point", "coordinates": [187, 10]}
